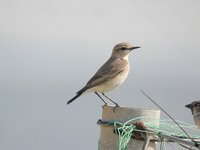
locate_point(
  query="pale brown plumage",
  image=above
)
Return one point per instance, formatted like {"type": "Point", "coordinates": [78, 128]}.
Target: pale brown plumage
{"type": "Point", "coordinates": [111, 74]}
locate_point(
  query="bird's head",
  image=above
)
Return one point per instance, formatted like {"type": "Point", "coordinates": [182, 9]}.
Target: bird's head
{"type": "Point", "coordinates": [194, 106]}
{"type": "Point", "coordinates": [122, 50]}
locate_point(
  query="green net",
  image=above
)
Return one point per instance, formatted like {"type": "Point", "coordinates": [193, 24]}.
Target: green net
{"type": "Point", "coordinates": [125, 130]}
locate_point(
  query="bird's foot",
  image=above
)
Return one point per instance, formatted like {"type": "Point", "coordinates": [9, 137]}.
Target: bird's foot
{"type": "Point", "coordinates": [103, 106]}
{"type": "Point", "coordinates": [116, 106]}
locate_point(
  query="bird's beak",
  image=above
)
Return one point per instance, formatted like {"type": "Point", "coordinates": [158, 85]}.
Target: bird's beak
{"type": "Point", "coordinates": [132, 48]}
{"type": "Point", "coordinates": [188, 106]}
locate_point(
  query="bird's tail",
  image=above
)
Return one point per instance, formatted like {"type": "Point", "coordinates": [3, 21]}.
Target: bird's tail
{"type": "Point", "coordinates": [79, 93]}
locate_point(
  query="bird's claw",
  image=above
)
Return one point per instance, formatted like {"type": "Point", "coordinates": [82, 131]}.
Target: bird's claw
{"type": "Point", "coordinates": [116, 106]}
{"type": "Point", "coordinates": [103, 106]}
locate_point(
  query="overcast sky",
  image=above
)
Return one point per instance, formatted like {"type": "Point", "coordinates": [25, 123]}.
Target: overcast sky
{"type": "Point", "coordinates": [50, 49]}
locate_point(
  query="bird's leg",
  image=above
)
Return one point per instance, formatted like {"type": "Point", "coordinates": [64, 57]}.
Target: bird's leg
{"type": "Point", "coordinates": [116, 105]}
{"type": "Point", "coordinates": [105, 104]}
{"type": "Point", "coordinates": [110, 99]}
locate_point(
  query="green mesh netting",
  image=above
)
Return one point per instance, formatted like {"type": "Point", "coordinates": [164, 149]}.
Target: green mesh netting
{"type": "Point", "coordinates": [124, 131]}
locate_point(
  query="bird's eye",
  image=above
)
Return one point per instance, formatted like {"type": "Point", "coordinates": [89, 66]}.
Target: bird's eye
{"type": "Point", "coordinates": [123, 48]}
{"type": "Point", "coordinates": [196, 104]}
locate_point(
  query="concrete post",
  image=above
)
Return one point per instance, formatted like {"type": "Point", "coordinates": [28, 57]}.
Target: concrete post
{"type": "Point", "coordinates": [109, 141]}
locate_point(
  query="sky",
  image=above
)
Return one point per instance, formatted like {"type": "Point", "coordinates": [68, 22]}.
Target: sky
{"type": "Point", "coordinates": [50, 49]}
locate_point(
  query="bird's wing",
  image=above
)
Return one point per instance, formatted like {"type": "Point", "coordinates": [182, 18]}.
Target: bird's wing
{"type": "Point", "coordinates": [108, 71]}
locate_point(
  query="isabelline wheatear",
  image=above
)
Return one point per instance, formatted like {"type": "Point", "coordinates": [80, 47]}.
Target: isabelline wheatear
{"type": "Point", "coordinates": [195, 108]}
{"type": "Point", "coordinates": [111, 75]}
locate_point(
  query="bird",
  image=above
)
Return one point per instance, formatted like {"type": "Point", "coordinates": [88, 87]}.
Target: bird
{"type": "Point", "coordinates": [195, 109]}
{"type": "Point", "coordinates": [110, 75]}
